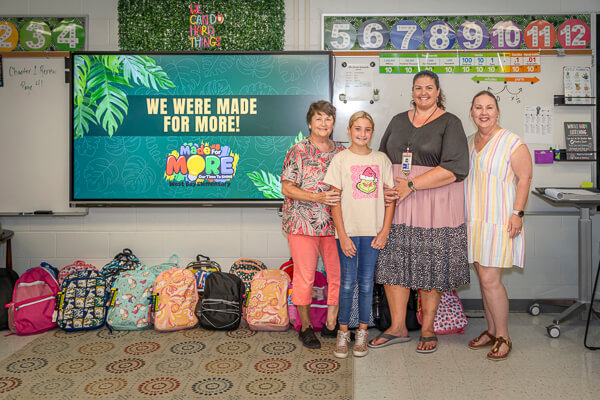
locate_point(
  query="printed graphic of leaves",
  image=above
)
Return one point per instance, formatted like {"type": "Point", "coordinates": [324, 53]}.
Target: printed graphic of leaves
{"type": "Point", "coordinates": [121, 145]}
{"type": "Point", "coordinates": [265, 145]}
{"type": "Point", "coordinates": [215, 66]}
{"type": "Point", "coordinates": [296, 90]}
{"type": "Point", "coordinates": [111, 101]}
{"type": "Point", "coordinates": [297, 139]}
{"type": "Point", "coordinates": [99, 174]}
{"type": "Point", "coordinates": [267, 183]}
{"type": "Point", "coordinates": [319, 71]}
{"type": "Point", "coordinates": [86, 147]}
{"type": "Point", "coordinates": [183, 73]}
{"type": "Point", "coordinates": [292, 71]}
{"type": "Point", "coordinates": [83, 115]}
{"type": "Point", "coordinates": [81, 69]}
{"type": "Point", "coordinates": [137, 176]}
{"type": "Point", "coordinates": [158, 156]}
{"type": "Point", "coordinates": [256, 66]}
{"type": "Point", "coordinates": [258, 88]}
{"type": "Point", "coordinates": [220, 87]}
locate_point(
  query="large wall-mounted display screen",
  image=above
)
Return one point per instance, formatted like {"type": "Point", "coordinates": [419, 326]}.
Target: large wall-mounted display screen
{"type": "Point", "coordinates": [179, 129]}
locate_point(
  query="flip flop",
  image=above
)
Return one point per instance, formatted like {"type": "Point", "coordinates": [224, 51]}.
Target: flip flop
{"type": "Point", "coordinates": [425, 340]}
{"type": "Point", "coordinates": [391, 339]}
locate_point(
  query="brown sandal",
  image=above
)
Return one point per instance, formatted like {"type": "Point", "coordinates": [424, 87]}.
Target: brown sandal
{"type": "Point", "coordinates": [478, 338]}
{"type": "Point", "coordinates": [492, 355]}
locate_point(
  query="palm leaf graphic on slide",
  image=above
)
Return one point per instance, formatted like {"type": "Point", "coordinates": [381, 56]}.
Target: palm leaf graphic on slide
{"type": "Point", "coordinates": [99, 98]}
{"type": "Point", "coordinates": [266, 182]}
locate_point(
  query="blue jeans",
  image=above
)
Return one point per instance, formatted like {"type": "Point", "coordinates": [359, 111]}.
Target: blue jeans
{"type": "Point", "coordinates": [361, 267]}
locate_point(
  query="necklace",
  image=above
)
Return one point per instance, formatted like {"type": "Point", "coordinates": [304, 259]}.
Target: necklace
{"type": "Point", "coordinates": [414, 130]}
{"type": "Point", "coordinates": [415, 114]}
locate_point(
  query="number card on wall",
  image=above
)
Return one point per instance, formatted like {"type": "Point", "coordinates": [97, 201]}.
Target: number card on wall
{"type": "Point", "coordinates": [42, 33]}
{"type": "Point", "coordinates": [487, 32]}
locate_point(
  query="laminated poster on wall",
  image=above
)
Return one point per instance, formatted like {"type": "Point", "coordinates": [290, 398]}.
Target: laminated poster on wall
{"type": "Point", "coordinates": [577, 83]}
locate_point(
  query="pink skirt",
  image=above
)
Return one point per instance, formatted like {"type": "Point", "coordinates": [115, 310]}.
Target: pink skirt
{"type": "Point", "coordinates": [427, 245]}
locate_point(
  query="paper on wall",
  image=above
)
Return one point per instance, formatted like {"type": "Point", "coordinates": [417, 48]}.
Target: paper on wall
{"type": "Point", "coordinates": [539, 124]}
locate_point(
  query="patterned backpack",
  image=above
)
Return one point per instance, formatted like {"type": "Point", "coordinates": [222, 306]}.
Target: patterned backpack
{"type": "Point", "coordinates": [82, 301]}
{"type": "Point", "coordinates": [124, 261]}
{"type": "Point", "coordinates": [69, 269]}
{"type": "Point", "coordinates": [268, 307]}
{"type": "Point", "coordinates": [318, 306]}
{"type": "Point", "coordinates": [131, 300]}
{"type": "Point", "coordinates": [450, 317]}
{"type": "Point", "coordinates": [174, 300]}
{"type": "Point", "coordinates": [34, 301]}
{"type": "Point", "coordinates": [245, 269]}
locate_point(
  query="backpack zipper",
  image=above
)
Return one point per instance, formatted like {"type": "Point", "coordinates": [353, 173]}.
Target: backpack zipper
{"type": "Point", "coordinates": [35, 302]}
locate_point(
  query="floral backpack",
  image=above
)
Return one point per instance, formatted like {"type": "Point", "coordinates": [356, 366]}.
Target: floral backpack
{"type": "Point", "coordinates": [69, 269]}
{"type": "Point", "coordinates": [131, 300]}
{"type": "Point", "coordinates": [267, 307]}
{"type": "Point", "coordinates": [450, 317]}
{"type": "Point", "coordinates": [174, 300]}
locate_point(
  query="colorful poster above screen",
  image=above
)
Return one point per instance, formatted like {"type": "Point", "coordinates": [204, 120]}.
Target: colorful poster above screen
{"type": "Point", "coordinates": [471, 32]}
{"type": "Point", "coordinates": [215, 128]}
{"type": "Point", "coordinates": [42, 33]}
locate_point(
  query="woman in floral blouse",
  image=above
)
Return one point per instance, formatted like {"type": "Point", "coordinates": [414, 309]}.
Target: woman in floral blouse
{"type": "Point", "coordinates": [307, 218]}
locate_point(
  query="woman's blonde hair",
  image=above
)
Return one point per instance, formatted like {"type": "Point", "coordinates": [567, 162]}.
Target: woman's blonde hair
{"type": "Point", "coordinates": [358, 115]}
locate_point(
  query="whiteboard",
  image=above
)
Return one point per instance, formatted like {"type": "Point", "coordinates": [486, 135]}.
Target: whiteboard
{"type": "Point", "coordinates": [34, 135]}
{"type": "Point", "coordinates": [459, 89]}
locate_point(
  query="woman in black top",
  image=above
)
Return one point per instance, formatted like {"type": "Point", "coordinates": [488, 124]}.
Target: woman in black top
{"type": "Point", "coordinates": [427, 246]}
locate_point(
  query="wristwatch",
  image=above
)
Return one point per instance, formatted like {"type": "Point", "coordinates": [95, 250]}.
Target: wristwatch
{"type": "Point", "coordinates": [519, 213]}
{"type": "Point", "coordinates": [411, 186]}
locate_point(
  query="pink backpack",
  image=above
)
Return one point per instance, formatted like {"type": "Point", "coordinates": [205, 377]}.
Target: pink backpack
{"type": "Point", "coordinates": [69, 269]}
{"type": "Point", "coordinates": [267, 305]}
{"type": "Point", "coordinates": [318, 307]}
{"type": "Point", "coordinates": [450, 317]}
{"type": "Point", "coordinates": [34, 301]}
{"type": "Point", "coordinates": [174, 299]}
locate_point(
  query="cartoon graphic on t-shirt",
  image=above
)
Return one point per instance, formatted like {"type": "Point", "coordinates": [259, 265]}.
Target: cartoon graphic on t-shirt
{"type": "Point", "coordinates": [368, 181]}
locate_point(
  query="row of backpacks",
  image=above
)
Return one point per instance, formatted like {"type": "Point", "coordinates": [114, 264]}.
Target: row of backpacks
{"type": "Point", "coordinates": [128, 295]}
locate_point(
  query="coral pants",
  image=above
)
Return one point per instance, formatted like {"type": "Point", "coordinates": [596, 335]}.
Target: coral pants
{"type": "Point", "coordinates": [305, 254]}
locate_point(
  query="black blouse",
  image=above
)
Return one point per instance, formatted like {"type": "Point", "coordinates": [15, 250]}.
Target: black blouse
{"type": "Point", "coordinates": [440, 142]}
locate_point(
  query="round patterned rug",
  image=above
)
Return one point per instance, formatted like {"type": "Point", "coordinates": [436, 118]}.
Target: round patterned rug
{"type": "Point", "coordinates": [193, 363]}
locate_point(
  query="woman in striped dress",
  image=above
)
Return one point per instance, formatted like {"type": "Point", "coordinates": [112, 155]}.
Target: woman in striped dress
{"type": "Point", "coordinates": [496, 192]}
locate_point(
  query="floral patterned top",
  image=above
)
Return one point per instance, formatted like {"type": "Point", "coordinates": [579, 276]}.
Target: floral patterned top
{"type": "Point", "coordinates": [305, 166]}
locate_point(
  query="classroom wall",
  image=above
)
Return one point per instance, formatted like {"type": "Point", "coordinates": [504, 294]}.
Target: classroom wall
{"type": "Point", "coordinates": [228, 234]}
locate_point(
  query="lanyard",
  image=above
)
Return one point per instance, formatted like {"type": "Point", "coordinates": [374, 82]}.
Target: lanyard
{"type": "Point", "coordinates": [407, 155]}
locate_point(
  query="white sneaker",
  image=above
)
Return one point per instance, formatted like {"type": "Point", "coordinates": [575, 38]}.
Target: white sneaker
{"type": "Point", "coordinates": [360, 343]}
{"type": "Point", "coordinates": [341, 344]}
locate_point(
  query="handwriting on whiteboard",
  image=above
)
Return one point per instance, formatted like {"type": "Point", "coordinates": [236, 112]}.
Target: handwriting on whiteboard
{"type": "Point", "coordinates": [31, 77]}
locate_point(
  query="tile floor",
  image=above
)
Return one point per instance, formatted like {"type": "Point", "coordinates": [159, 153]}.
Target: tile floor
{"type": "Point", "coordinates": [538, 368]}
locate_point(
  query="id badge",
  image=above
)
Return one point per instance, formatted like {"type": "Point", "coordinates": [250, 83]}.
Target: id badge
{"type": "Point", "coordinates": [406, 163]}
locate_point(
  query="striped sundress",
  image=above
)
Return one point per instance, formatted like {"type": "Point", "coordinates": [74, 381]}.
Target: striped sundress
{"type": "Point", "coordinates": [490, 192]}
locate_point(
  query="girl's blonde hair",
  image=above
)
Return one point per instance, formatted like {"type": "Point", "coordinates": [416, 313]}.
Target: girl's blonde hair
{"type": "Point", "coordinates": [358, 115]}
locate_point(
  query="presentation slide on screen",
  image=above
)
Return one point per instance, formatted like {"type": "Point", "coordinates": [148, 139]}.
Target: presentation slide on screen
{"type": "Point", "coordinates": [189, 126]}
